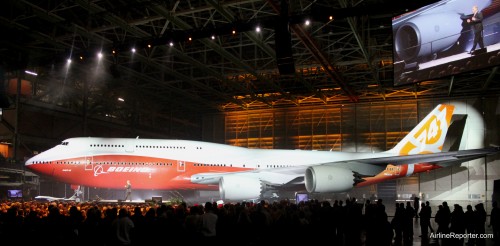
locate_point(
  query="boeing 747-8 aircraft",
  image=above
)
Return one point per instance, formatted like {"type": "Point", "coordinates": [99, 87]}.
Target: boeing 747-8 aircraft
{"type": "Point", "coordinates": [242, 173]}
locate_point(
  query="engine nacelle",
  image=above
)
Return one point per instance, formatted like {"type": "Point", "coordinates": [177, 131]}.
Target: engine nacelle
{"type": "Point", "coordinates": [234, 187]}
{"type": "Point", "coordinates": [425, 35]}
{"type": "Point", "coordinates": [330, 179]}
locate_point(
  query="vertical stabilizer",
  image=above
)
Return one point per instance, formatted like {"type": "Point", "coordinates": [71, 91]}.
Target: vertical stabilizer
{"type": "Point", "coordinates": [429, 135]}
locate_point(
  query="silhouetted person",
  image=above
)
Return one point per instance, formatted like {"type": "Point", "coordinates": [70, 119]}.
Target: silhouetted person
{"type": "Point", "coordinates": [192, 224]}
{"type": "Point", "coordinates": [32, 227]}
{"type": "Point", "coordinates": [408, 223]}
{"type": "Point", "coordinates": [209, 224]}
{"type": "Point", "coordinates": [380, 205]}
{"type": "Point", "coordinates": [428, 205]}
{"type": "Point", "coordinates": [443, 218]}
{"type": "Point", "coordinates": [457, 223]}
{"type": "Point", "coordinates": [262, 221]}
{"type": "Point", "coordinates": [480, 221]}
{"type": "Point", "coordinates": [470, 223]}
{"type": "Point", "coordinates": [397, 223]}
{"type": "Point", "coordinates": [495, 222]}
{"type": "Point", "coordinates": [11, 225]}
{"type": "Point", "coordinates": [72, 226]}
{"type": "Point", "coordinates": [477, 25]}
{"type": "Point", "coordinates": [383, 232]}
{"type": "Point", "coordinates": [152, 231]}
{"type": "Point", "coordinates": [416, 205]}
{"type": "Point", "coordinates": [91, 232]}
{"type": "Point", "coordinates": [122, 229]}
{"type": "Point", "coordinates": [54, 226]}
{"type": "Point", "coordinates": [353, 222]}
{"type": "Point", "coordinates": [425, 220]}
{"type": "Point", "coordinates": [139, 225]}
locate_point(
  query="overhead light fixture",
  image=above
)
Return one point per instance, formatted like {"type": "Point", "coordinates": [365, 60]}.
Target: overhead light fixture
{"type": "Point", "coordinates": [308, 22]}
{"type": "Point", "coordinates": [99, 55]}
{"type": "Point", "coordinates": [213, 37]}
{"type": "Point", "coordinates": [171, 44]}
{"type": "Point", "coordinates": [133, 50]}
{"type": "Point", "coordinates": [31, 72]}
{"type": "Point", "coordinates": [257, 29]}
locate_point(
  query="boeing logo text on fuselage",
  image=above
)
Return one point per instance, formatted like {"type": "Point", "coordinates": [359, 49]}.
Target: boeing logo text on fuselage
{"type": "Point", "coordinates": [98, 170]}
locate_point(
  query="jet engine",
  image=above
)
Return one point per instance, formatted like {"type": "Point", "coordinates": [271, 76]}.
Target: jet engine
{"type": "Point", "coordinates": [426, 35]}
{"type": "Point", "coordinates": [330, 179]}
{"type": "Point", "coordinates": [234, 187]}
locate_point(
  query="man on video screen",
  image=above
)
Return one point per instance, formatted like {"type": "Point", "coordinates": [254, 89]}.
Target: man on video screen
{"type": "Point", "coordinates": [477, 25]}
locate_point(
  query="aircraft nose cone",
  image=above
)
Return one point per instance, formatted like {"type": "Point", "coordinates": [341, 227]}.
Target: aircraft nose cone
{"type": "Point", "coordinates": [29, 161]}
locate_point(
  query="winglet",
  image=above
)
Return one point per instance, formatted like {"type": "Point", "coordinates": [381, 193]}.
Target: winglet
{"type": "Point", "coordinates": [429, 135]}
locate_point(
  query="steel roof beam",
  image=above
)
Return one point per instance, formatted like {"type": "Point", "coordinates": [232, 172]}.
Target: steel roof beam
{"type": "Point", "coordinates": [178, 22]}
{"type": "Point", "coordinates": [364, 50]}
{"type": "Point", "coordinates": [123, 24]}
{"type": "Point", "coordinates": [318, 54]}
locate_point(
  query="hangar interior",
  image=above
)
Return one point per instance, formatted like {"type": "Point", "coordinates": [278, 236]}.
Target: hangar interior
{"type": "Point", "coordinates": [227, 72]}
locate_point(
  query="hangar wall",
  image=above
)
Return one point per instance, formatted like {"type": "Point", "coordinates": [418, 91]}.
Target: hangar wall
{"type": "Point", "coordinates": [373, 127]}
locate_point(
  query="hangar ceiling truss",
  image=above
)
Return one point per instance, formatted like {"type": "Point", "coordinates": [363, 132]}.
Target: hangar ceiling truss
{"type": "Point", "coordinates": [203, 56]}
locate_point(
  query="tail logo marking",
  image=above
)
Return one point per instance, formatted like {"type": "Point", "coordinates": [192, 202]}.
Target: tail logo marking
{"type": "Point", "coordinates": [429, 137]}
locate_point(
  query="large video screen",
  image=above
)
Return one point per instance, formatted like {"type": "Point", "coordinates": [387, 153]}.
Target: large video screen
{"type": "Point", "coordinates": [14, 193]}
{"type": "Point", "coordinates": [445, 38]}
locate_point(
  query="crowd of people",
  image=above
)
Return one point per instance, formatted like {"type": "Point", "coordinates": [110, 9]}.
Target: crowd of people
{"type": "Point", "coordinates": [346, 222]}
{"type": "Point", "coordinates": [456, 222]}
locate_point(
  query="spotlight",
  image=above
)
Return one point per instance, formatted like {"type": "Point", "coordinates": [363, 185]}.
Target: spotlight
{"type": "Point", "coordinates": [81, 57]}
{"type": "Point", "coordinates": [331, 17]}
{"type": "Point", "coordinates": [149, 46]}
{"type": "Point", "coordinates": [133, 50]}
{"type": "Point", "coordinates": [308, 22]}
{"type": "Point", "coordinates": [213, 37]}
{"type": "Point", "coordinates": [171, 44]}
{"type": "Point", "coordinates": [234, 32]}
{"type": "Point", "coordinates": [68, 61]}
{"type": "Point", "coordinates": [257, 29]}
{"type": "Point", "coordinates": [190, 39]}
{"type": "Point", "coordinates": [99, 55]}
{"type": "Point", "coordinates": [31, 72]}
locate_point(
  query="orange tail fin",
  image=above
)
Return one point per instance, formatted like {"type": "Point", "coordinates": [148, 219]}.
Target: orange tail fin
{"type": "Point", "coordinates": [429, 135]}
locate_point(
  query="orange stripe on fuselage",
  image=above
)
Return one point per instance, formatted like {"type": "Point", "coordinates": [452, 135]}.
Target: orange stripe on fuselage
{"type": "Point", "coordinates": [112, 171]}
{"type": "Point", "coordinates": [393, 172]}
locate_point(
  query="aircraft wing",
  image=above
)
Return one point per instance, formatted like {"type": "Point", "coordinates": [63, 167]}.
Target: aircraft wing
{"type": "Point", "coordinates": [368, 166]}
{"type": "Point", "coordinates": [373, 166]}
{"type": "Point", "coordinates": [434, 158]}
{"type": "Point", "coordinates": [335, 176]}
